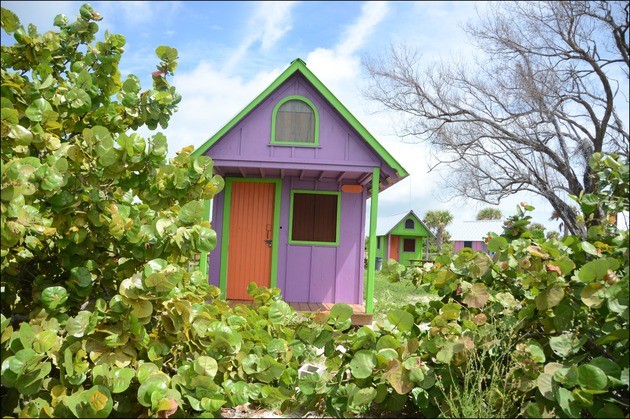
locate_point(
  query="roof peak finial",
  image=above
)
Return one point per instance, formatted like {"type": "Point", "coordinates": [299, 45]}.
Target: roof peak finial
{"type": "Point", "coordinates": [298, 60]}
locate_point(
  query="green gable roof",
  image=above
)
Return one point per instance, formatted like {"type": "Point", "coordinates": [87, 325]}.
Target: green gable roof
{"type": "Point", "coordinates": [396, 225]}
{"type": "Point", "coordinates": [300, 66]}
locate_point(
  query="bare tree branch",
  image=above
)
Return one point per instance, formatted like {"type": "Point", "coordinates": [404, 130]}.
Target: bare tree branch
{"type": "Point", "coordinates": [530, 112]}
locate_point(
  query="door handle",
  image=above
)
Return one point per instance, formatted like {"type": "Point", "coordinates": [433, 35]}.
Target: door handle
{"type": "Point", "coordinates": [268, 242]}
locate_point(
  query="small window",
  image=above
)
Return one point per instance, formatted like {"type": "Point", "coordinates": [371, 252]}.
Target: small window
{"type": "Point", "coordinates": [295, 121]}
{"type": "Point", "coordinates": [409, 224]}
{"type": "Point", "coordinates": [378, 242]}
{"type": "Point", "coordinates": [315, 217]}
{"type": "Point", "coordinates": [468, 244]}
{"type": "Point", "coordinates": [409, 245]}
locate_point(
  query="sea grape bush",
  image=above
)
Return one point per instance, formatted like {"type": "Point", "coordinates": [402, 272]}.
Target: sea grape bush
{"type": "Point", "coordinates": [565, 303]}
{"type": "Point", "coordinates": [538, 328]}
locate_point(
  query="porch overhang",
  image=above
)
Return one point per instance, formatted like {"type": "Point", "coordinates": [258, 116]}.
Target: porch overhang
{"type": "Point", "coordinates": [343, 172]}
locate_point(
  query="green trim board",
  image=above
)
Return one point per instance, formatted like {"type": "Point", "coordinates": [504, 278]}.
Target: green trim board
{"type": "Point", "coordinates": [203, 261]}
{"type": "Point", "coordinates": [369, 285]}
{"type": "Point", "coordinates": [300, 66]}
{"type": "Point", "coordinates": [274, 114]}
{"type": "Point", "coordinates": [338, 221]}
{"type": "Point", "coordinates": [225, 231]}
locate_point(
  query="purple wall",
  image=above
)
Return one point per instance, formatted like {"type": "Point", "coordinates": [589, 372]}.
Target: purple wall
{"type": "Point", "coordinates": [340, 146]}
{"type": "Point", "coordinates": [311, 273]}
{"type": "Point", "coordinates": [476, 245]}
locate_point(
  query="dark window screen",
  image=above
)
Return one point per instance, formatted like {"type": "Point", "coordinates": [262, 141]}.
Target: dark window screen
{"type": "Point", "coordinates": [314, 217]}
{"type": "Point", "coordinates": [409, 245]}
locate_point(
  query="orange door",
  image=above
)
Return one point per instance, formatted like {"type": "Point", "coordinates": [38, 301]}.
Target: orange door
{"type": "Point", "coordinates": [251, 231]}
{"type": "Point", "coordinates": [394, 245]}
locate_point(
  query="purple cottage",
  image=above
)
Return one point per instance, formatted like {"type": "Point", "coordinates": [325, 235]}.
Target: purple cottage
{"type": "Point", "coordinates": [298, 170]}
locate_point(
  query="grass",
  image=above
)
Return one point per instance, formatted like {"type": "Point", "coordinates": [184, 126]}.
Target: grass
{"type": "Point", "coordinates": [388, 295]}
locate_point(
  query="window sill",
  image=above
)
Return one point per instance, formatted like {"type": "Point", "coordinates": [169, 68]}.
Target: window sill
{"type": "Point", "coordinates": [310, 244]}
{"type": "Point", "coordinates": [305, 145]}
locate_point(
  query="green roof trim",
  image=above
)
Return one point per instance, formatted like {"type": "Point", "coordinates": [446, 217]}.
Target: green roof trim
{"type": "Point", "coordinates": [299, 65]}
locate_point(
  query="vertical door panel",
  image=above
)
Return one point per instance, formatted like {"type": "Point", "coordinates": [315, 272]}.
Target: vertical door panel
{"type": "Point", "coordinates": [251, 232]}
{"type": "Point", "coordinates": [394, 248]}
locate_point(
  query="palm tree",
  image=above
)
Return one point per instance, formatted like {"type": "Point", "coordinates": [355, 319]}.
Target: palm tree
{"type": "Point", "coordinates": [489, 214]}
{"type": "Point", "coordinates": [438, 220]}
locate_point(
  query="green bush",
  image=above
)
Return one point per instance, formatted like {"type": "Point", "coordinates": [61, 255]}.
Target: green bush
{"type": "Point", "coordinates": [538, 329]}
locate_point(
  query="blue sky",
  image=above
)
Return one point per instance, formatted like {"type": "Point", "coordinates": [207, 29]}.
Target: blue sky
{"type": "Point", "coordinates": [230, 51]}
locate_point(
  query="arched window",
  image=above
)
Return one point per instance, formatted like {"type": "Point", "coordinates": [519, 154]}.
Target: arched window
{"type": "Point", "coordinates": [409, 224]}
{"type": "Point", "coordinates": [295, 121]}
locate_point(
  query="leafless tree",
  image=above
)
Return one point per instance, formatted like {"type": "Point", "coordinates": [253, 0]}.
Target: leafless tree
{"type": "Point", "coordinates": [547, 90]}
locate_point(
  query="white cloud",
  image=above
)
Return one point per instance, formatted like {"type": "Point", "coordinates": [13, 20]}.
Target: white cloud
{"type": "Point", "coordinates": [41, 14]}
{"type": "Point", "coordinates": [210, 100]}
{"type": "Point", "coordinates": [270, 22]}
{"type": "Point", "coordinates": [355, 37]}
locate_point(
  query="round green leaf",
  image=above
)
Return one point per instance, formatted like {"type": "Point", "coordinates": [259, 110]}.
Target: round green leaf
{"type": "Point", "coordinates": [341, 312]}
{"type": "Point", "coordinates": [53, 297]}
{"type": "Point", "coordinates": [10, 21]}
{"type": "Point", "coordinates": [78, 100]}
{"type": "Point", "coordinates": [589, 203]}
{"type": "Point", "coordinates": [165, 53]}
{"type": "Point", "coordinates": [206, 239]}
{"type": "Point", "coordinates": [280, 312]}
{"type": "Point", "coordinates": [400, 319]}
{"type": "Point", "coordinates": [121, 379]}
{"type": "Point", "coordinates": [141, 308]}
{"type": "Point", "coordinates": [387, 341]}
{"type": "Point", "coordinates": [192, 213]}
{"type": "Point", "coordinates": [413, 364]}
{"type": "Point", "coordinates": [591, 377]}
{"type": "Point", "coordinates": [276, 347]}
{"type": "Point", "coordinates": [567, 402]}
{"type": "Point", "coordinates": [35, 111]}
{"type": "Point", "coordinates": [497, 243]}
{"type": "Point", "coordinates": [146, 370]}
{"type": "Point", "coordinates": [595, 269]}
{"type": "Point", "coordinates": [363, 397]}
{"type": "Point", "coordinates": [81, 277]}
{"type": "Point", "coordinates": [99, 402]}
{"type": "Point", "coordinates": [537, 351]}
{"type": "Point", "coordinates": [593, 295]}
{"type": "Point", "coordinates": [362, 364]}
{"type": "Point", "coordinates": [549, 298]}
{"type": "Point", "coordinates": [205, 365]}
{"type": "Point", "coordinates": [159, 282]}
{"type": "Point", "coordinates": [566, 344]}
{"type": "Point", "coordinates": [76, 326]}
{"type": "Point", "coordinates": [155, 384]}
{"type": "Point", "coordinates": [46, 340]}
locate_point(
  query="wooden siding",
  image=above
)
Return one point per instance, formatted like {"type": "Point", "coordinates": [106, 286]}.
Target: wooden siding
{"type": "Point", "coordinates": [341, 147]}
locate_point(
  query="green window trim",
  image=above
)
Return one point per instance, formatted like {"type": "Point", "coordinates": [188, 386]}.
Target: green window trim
{"type": "Point", "coordinates": [274, 115]}
{"type": "Point", "coordinates": [338, 215]}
